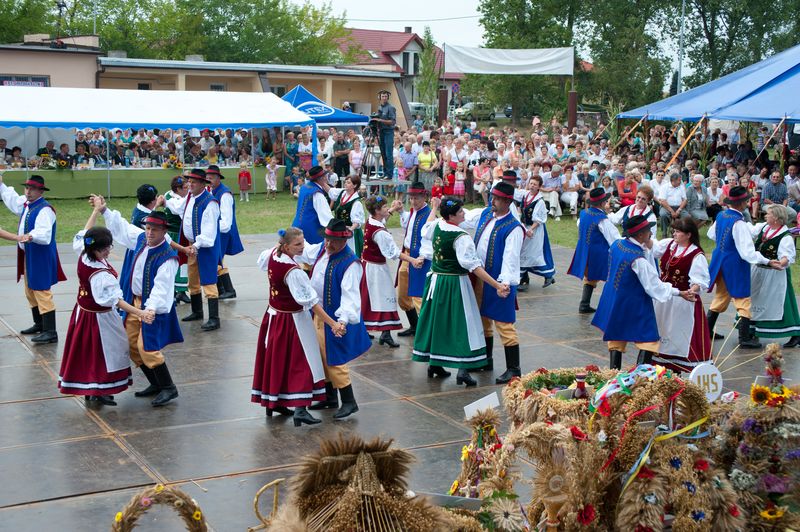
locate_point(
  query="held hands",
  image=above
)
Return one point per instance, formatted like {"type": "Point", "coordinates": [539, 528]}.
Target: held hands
{"type": "Point", "coordinates": [97, 202]}
{"type": "Point", "coordinates": [147, 316]}
{"type": "Point", "coordinates": [24, 238]}
{"type": "Point", "coordinates": [775, 265]}
{"type": "Point", "coordinates": [435, 203]}
{"type": "Point", "coordinates": [688, 295]}
{"type": "Point", "coordinates": [529, 233]}
{"type": "Point", "coordinates": [503, 290]}
{"type": "Point", "coordinates": [340, 329]}
{"type": "Point", "coordinates": [189, 251]}
{"type": "Point", "coordinates": [160, 200]}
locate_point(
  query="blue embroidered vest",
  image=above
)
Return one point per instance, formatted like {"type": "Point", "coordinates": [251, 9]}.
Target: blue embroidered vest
{"type": "Point", "coordinates": [625, 312]}
{"type": "Point", "coordinates": [42, 265]}
{"type": "Point", "coordinates": [306, 216]}
{"type": "Point", "coordinates": [230, 243]}
{"type": "Point", "coordinates": [137, 219]}
{"type": "Point", "coordinates": [417, 276]}
{"type": "Point", "coordinates": [493, 306]}
{"type": "Point", "coordinates": [591, 252]}
{"type": "Point", "coordinates": [207, 258]}
{"type": "Point", "coordinates": [726, 260]}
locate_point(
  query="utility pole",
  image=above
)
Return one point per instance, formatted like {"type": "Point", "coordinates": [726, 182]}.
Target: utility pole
{"type": "Point", "coordinates": [680, 52]}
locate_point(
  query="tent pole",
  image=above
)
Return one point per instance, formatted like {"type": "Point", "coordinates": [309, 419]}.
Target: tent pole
{"type": "Point", "coordinates": [785, 144]}
{"type": "Point", "coordinates": [685, 142]}
{"type": "Point", "coordinates": [108, 161]}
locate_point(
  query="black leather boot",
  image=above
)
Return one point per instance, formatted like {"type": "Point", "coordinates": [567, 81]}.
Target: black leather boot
{"type": "Point", "coordinates": [182, 297]}
{"type": "Point", "coordinates": [512, 365]}
{"type": "Point", "coordinates": [586, 299]}
{"type": "Point", "coordinates": [438, 372]}
{"type": "Point", "coordinates": [712, 316]}
{"type": "Point", "coordinates": [37, 323]}
{"type": "Point", "coordinates": [48, 334]}
{"type": "Point", "coordinates": [746, 338]}
{"type": "Point", "coordinates": [615, 359]}
{"type": "Point", "coordinates": [793, 342]}
{"type": "Point", "coordinates": [349, 405]}
{"type": "Point", "coordinates": [168, 389]}
{"type": "Point", "coordinates": [197, 308]}
{"type": "Point", "coordinates": [331, 399]}
{"type": "Point", "coordinates": [228, 291]}
{"type": "Point", "coordinates": [301, 416]}
{"type": "Point", "coordinates": [524, 282]}
{"type": "Point", "coordinates": [386, 338]}
{"type": "Point", "coordinates": [220, 287]}
{"type": "Point", "coordinates": [213, 315]}
{"type": "Point", "coordinates": [154, 388]}
{"type": "Point", "coordinates": [282, 410]}
{"type": "Point", "coordinates": [413, 318]}
{"type": "Point", "coordinates": [463, 377]}
{"type": "Point", "coordinates": [645, 357]}
{"type": "Point", "coordinates": [489, 360]}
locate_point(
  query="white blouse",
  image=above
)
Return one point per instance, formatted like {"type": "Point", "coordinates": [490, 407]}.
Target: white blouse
{"type": "Point", "coordinates": [296, 280]}
{"type": "Point", "coordinates": [349, 310]}
{"type": "Point", "coordinates": [698, 272]}
{"type": "Point", "coordinates": [384, 240]}
{"type": "Point", "coordinates": [466, 254]}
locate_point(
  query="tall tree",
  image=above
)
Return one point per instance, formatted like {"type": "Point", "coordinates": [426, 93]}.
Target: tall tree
{"type": "Point", "coordinates": [20, 17]}
{"type": "Point", "coordinates": [429, 75]}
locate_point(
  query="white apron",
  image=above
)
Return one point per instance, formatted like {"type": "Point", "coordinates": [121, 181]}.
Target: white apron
{"type": "Point", "coordinates": [675, 319]}
{"type": "Point", "coordinates": [767, 293]}
{"type": "Point", "coordinates": [113, 338]}
{"type": "Point", "coordinates": [380, 284]}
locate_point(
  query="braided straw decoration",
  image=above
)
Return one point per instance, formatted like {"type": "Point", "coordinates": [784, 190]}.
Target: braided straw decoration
{"type": "Point", "coordinates": [170, 496]}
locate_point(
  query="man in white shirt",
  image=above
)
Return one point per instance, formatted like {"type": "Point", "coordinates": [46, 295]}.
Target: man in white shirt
{"type": "Point", "coordinates": [672, 198]}
{"type": "Point", "coordinates": [206, 141]}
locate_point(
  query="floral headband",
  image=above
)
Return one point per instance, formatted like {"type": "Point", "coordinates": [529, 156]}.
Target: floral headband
{"type": "Point", "coordinates": [88, 241]}
{"type": "Point", "coordinates": [281, 232]}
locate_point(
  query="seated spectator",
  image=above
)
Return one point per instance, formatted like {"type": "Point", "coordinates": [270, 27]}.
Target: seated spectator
{"type": "Point", "coordinates": [16, 158]}
{"type": "Point", "coordinates": [753, 205]}
{"type": "Point", "coordinates": [5, 152]}
{"type": "Point", "coordinates": [713, 198]}
{"type": "Point", "coordinates": [626, 189]}
{"type": "Point", "coordinates": [194, 155]}
{"type": "Point", "coordinates": [49, 149]}
{"type": "Point", "coordinates": [63, 155]}
{"type": "Point", "coordinates": [571, 187]}
{"type": "Point", "coordinates": [80, 139]}
{"type": "Point", "coordinates": [776, 193]}
{"type": "Point", "coordinates": [673, 201]}
{"type": "Point", "coordinates": [608, 185]}
{"type": "Point", "coordinates": [118, 158]}
{"type": "Point", "coordinates": [98, 157]}
{"type": "Point", "coordinates": [81, 155]}
{"type": "Point", "coordinates": [551, 190]}
{"type": "Point", "coordinates": [696, 201]}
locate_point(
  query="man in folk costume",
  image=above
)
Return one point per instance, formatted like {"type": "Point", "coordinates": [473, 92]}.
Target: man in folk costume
{"type": "Point", "coordinates": [200, 233]}
{"type": "Point", "coordinates": [313, 209]}
{"type": "Point", "coordinates": [595, 234]}
{"type": "Point", "coordinates": [229, 241]}
{"type": "Point", "coordinates": [411, 281]}
{"type": "Point", "coordinates": [730, 265]}
{"type": "Point", "coordinates": [336, 277]}
{"type": "Point", "coordinates": [37, 256]}
{"type": "Point", "coordinates": [498, 240]}
{"type": "Point", "coordinates": [626, 312]}
{"type": "Point", "coordinates": [147, 199]}
{"type": "Point", "coordinates": [152, 289]}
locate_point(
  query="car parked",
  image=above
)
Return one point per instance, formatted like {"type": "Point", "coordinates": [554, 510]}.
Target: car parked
{"type": "Point", "coordinates": [475, 111]}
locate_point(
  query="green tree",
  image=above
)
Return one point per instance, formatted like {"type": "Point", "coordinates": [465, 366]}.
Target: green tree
{"type": "Point", "coordinates": [429, 75]}
{"type": "Point", "coordinates": [21, 17]}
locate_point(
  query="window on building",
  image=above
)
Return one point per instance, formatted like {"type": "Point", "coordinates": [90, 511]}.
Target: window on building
{"type": "Point", "coordinates": [218, 87]}
{"type": "Point", "coordinates": [416, 64]}
{"type": "Point", "coordinates": [372, 54]}
{"type": "Point", "coordinates": [24, 81]}
{"type": "Point", "coordinates": [143, 86]}
{"type": "Point", "coordinates": [406, 62]}
{"type": "Point", "coordinates": [277, 90]}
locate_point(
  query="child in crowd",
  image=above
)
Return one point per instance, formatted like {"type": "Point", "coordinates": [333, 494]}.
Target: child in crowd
{"type": "Point", "coordinates": [437, 191]}
{"type": "Point", "coordinates": [448, 179]}
{"type": "Point", "coordinates": [333, 179]}
{"type": "Point", "coordinates": [459, 189]}
{"type": "Point", "coordinates": [293, 178]}
{"type": "Point", "coordinates": [300, 182]}
{"type": "Point", "coordinates": [400, 178]}
{"type": "Point", "coordinates": [245, 183]}
{"type": "Point", "coordinates": [272, 179]}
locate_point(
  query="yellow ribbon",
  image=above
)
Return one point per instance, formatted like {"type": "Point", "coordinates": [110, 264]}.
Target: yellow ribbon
{"type": "Point", "coordinates": [658, 439]}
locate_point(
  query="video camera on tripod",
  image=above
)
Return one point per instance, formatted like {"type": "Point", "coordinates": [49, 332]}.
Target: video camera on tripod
{"type": "Point", "coordinates": [374, 126]}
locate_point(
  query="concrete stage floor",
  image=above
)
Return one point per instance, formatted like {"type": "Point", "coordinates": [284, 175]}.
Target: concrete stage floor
{"type": "Point", "coordinates": [67, 468]}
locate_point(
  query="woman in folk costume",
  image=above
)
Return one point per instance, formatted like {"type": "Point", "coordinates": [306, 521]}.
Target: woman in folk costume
{"type": "Point", "coordinates": [450, 331]}
{"type": "Point", "coordinates": [179, 188]}
{"type": "Point", "coordinates": [289, 370]}
{"type": "Point", "coordinates": [536, 256]}
{"type": "Point", "coordinates": [644, 197]}
{"type": "Point", "coordinates": [347, 207]}
{"type": "Point", "coordinates": [773, 306]}
{"type": "Point", "coordinates": [378, 296]}
{"type": "Point", "coordinates": [682, 325]}
{"type": "Point", "coordinates": [96, 361]}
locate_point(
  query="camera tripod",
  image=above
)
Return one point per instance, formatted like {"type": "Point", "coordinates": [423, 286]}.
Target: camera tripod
{"type": "Point", "coordinates": [371, 136]}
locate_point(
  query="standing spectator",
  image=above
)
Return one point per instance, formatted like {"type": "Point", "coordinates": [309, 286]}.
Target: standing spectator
{"type": "Point", "coordinates": [673, 202]}
{"type": "Point", "coordinates": [277, 149]}
{"type": "Point", "coordinates": [551, 190]}
{"type": "Point", "coordinates": [696, 201]}
{"type": "Point", "coordinates": [410, 163]}
{"type": "Point", "coordinates": [428, 164]}
{"type": "Point", "coordinates": [304, 151]}
{"type": "Point", "coordinates": [355, 159]}
{"type": "Point", "coordinates": [245, 183]}
{"type": "Point", "coordinates": [387, 117]}
{"type": "Point", "coordinates": [5, 152]}
{"type": "Point", "coordinates": [290, 157]}
{"type": "Point", "coordinates": [341, 151]}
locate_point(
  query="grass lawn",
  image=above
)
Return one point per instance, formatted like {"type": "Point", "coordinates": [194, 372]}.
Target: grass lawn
{"type": "Point", "coordinates": [260, 216]}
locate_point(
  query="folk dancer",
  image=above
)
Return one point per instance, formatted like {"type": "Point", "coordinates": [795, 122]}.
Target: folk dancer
{"type": "Point", "coordinates": [37, 256]}
{"type": "Point", "coordinates": [200, 234]}
{"type": "Point", "coordinates": [626, 312]}
{"type": "Point", "coordinates": [336, 277]}
{"type": "Point", "coordinates": [347, 206]}
{"type": "Point", "coordinates": [179, 188]}
{"type": "Point", "coordinates": [288, 369]}
{"type": "Point", "coordinates": [313, 210]}
{"type": "Point", "coordinates": [410, 282]}
{"type": "Point", "coordinates": [498, 241]}
{"type": "Point", "coordinates": [775, 316]}
{"type": "Point", "coordinates": [596, 233]}
{"type": "Point", "coordinates": [536, 256]}
{"type": "Point", "coordinates": [449, 332]}
{"type": "Point", "coordinates": [685, 341]}
{"type": "Point", "coordinates": [229, 242]}
{"type": "Point", "coordinates": [730, 265]}
{"type": "Point", "coordinates": [96, 362]}
{"type": "Point", "coordinates": [152, 289]}
{"type": "Point", "coordinates": [378, 296]}
{"type": "Point", "coordinates": [147, 199]}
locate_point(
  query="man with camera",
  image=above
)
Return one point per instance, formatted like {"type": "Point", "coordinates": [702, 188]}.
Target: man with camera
{"type": "Point", "coordinates": [386, 117]}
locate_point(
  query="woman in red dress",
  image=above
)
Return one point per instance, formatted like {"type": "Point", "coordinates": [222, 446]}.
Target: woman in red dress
{"type": "Point", "coordinates": [685, 338]}
{"type": "Point", "coordinates": [289, 370]}
{"type": "Point", "coordinates": [96, 361]}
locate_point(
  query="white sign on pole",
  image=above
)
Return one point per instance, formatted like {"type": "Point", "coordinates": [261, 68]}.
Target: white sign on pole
{"type": "Point", "coordinates": [709, 379]}
{"type": "Point", "coordinates": [484, 403]}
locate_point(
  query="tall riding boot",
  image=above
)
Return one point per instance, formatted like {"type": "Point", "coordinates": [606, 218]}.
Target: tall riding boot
{"type": "Point", "coordinates": [227, 284]}
{"type": "Point", "coordinates": [615, 359]}
{"type": "Point", "coordinates": [645, 357]}
{"type": "Point", "coordinates": [154, 388]}
{"type": "Point", "coordinates": [746, 338]}
{"type": "Point", "coordinates": [712, 316]}
{"type": "Point", "coordinates": [48, 334]}
{"type": "Point", "coordinates": [197, 308]}
{"type": "Point", "coordinates": [524, 282]}
{"type": "Point", "coordinates": [413, 318]}
{"type": "Point", "coordinates": [37, 323]}
{"type": "Point", "coordinates": [489, 360]}
{"type": "Point", "coordinates": [213, 315]}
{"type": "Point", "coordinates": [349, 405]}
{"type": "Point", "coordinates": [168, 389]}
{"type": "Point", "coordinates": [331, 398]}
{"type": "Point", "coordinates": [386, 338]}
{"type": "Point", "coordinates": [220, 287]}
{"type": "Point", "coordinates": [512, 365]}
{"type": "Point", "coordinates": [586, 299]}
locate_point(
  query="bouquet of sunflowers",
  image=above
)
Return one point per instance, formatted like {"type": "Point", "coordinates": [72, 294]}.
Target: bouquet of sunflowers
{"type": "Point", "coordinates": [172, 162]}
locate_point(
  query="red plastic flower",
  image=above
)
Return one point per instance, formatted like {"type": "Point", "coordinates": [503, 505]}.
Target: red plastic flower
{"type": "Point", "coordinates": [528, 393]}
{"type": "Point", "coordinates": [578, 434]}
{"type": "Point", "coordinates": [646, 472]}
{"type": "Point", "coordinates": [592, 367]}
{"type": "Point", "coordinates": [604, 409]}
{"type": "Point", "coordinates": [542, 371]}
{"type": "Point", "coordinates": [734, 510]}
{"type": "Point", "coordinates": [701, 465]}
{"type": "Point", "coordinates": [513, 380]}
{"type": "Point", "coordinates": [496, 447]}
{"type": "Point", "coordinates": [586, 515]}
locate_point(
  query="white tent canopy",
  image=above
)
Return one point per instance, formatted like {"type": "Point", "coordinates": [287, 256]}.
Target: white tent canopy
{"type": "Point", "coordinates": [558, 61]}
{"type": "Point", "coordinates": [110, 108]}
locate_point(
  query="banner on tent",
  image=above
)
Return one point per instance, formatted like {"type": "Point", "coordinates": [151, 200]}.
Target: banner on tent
{"type": "Point", "coordinates": [468, 60]}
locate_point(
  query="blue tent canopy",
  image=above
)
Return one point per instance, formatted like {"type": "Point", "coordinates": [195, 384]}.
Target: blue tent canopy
{"type": "Point", "coordinates": [321, 112]}
{"type": "Point", "coordinates": [763, 92]}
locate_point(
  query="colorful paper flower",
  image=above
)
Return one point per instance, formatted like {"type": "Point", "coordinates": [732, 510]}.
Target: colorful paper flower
{"type": "Point", "coordinates": [464, 453]}
{"type": "Point", "coordinates": [118, 517]}
{"type": "Point", "coordinates": [698, 515]}
{"type": "Point", "coordinates": [145, 502]}
{"type": "Point", "coordinates": [453, 487]}
{"type": "Point", "coordinates": [592, 368]}
{"type": "Point", "coordinates": [578, 434]}
{"type": "Point", "coordinates": [646, 472]}
{"type": "Point", "coordinates": [759, 394]}
{"type": "Point", "coordinates": [772, 513]}
{"type": "Point", "coordinates": [650, 498]}
{"type": "Point", "coordinates": [528, 393]}
{"type": "Point", "coordinates": [197, 515]}
{"type": "Point", "coordinates": [586, 515]}
{"type": "Point", "coordinates": [159, 488]}
{"type": "Point", "coordinates": [734, 510]}
{"type": "Point", "coordinates": [676, 462]}
{"type": "Point", "coordinates": [691, 488]}
{"type": "Point", "coordinates": [701, 465]}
